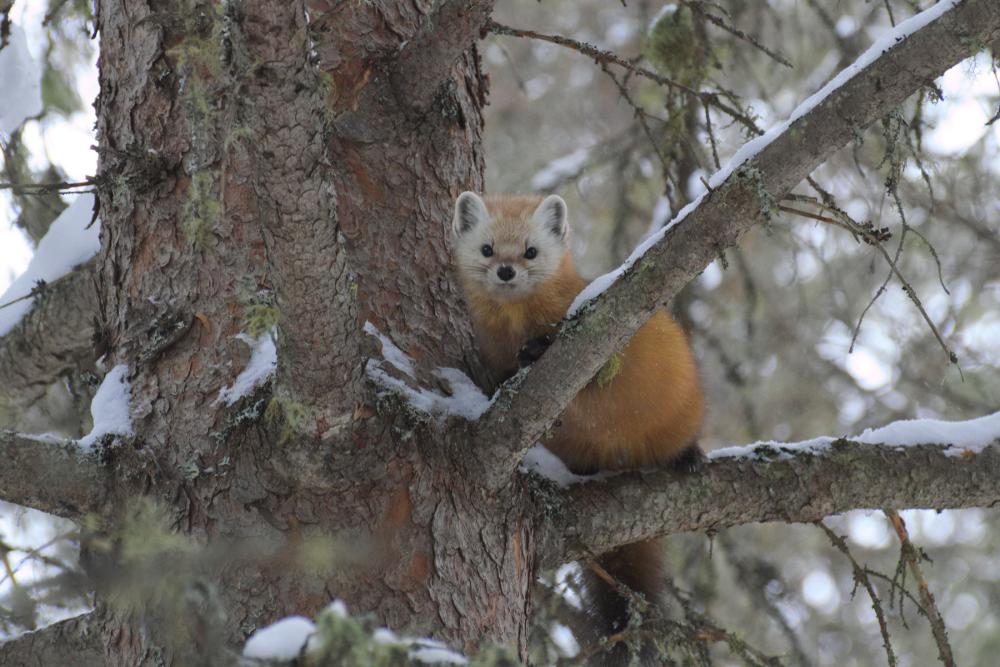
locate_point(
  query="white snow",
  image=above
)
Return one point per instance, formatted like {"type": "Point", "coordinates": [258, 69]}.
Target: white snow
{"type": "Point", "coordinates": [438, 656]}
{"type": "Point", "coordinates": [564, 640]}
{"type": "Point", "coordinates": [20, 81]}
{"type": "Point", "coordinates": [282, 640]}
{"type": "Point", "coordinates": [420, 649]}
{"type": "Point", "coordinates": [784, 450]}
{"type": "Point", "coordinates": [109, 407]}
{"type": "Point", "coordinates": [750, 149]}
{"type": "Point", "coordinates": [563, 167]}
{"type": "Point", "coordinates": [544, 463]}
{"type": "Point", "coordinates": [337, 608]}
{"type": "Point", "coordinates": [972, 435]}
{"type": "Point", "coordinates": [466, 400]}
{"type": "Point", "coordinates": [263, 361]}
{"type": "Point", "coordinates": [67, 244]}
{"type": "Point", "coordinates": [391, 353]}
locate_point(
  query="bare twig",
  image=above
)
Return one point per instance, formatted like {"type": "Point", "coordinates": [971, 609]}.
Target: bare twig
{"type": "Point", "coordinates": [736, 32]}
{"type": "Point", "coordinates": [892, 261]}
{"type": "Point", "coordinates": [610, 58]}
{"type": "Point", "coordinates": [48, 188]}
{"type": "Point", "coordinates": [640, 116]}
{"type": "Point", "coordinates": [910, 555]}
{"type": "Point", "coordinates": [861, 579]}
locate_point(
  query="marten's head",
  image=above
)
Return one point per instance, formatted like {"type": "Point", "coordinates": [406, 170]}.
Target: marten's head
{"type": "Point", "coordinates": [507, 246]}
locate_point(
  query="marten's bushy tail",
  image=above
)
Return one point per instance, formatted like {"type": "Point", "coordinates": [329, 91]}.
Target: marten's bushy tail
{"type": "Point", "coordinates": [639, 566]}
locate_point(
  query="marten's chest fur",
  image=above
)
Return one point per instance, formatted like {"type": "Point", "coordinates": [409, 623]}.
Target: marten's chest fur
{"type": "Point", "coordinates": [503, 327]}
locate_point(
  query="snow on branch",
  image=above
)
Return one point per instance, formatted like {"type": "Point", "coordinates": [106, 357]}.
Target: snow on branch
{"type": "Point", "coordinates": [466, 400]}
{"type": "Point", "coordinates": [70, 241]}
{"type": "Point", "coordinates": [915, 53]}
{"type": "Point", "coordinates": [924, 463]}
{"type": "Point", "coordinates": [52, 475]}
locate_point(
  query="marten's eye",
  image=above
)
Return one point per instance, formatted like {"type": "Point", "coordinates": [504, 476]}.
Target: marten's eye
{"type": "Point", "coordinates": [487, 250]}
{"type": "Point", "coordinates": [531, 253]}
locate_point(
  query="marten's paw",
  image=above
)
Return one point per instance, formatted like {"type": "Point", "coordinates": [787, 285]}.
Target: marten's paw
{"type": "Point", "coordinates": [533, 349]}
{"type": "Point", "coordinates": [690, 460]}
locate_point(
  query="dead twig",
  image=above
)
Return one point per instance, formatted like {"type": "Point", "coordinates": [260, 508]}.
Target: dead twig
{"type": "Point", "coordinates": [861, 579]}
{"type": "Point", "coordinates": [912, 557]}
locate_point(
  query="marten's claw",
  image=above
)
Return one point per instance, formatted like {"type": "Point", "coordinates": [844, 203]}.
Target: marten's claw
{"type": "Point", "coordinates": [690, 460]}
{"type": "Point", "coordinates": [533, 350]}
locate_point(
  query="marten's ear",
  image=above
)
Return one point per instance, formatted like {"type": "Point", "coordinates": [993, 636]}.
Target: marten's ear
{"type": "Point", "coordinates": [551, 216]}
{"type": "Point", "coordinates": [469, 212]}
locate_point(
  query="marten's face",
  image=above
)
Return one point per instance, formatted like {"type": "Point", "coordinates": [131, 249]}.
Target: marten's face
{"type": "Point", "coordinates": [509, 248]}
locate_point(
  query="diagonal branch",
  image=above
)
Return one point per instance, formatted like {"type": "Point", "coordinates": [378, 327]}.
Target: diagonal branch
{"type": "Point", "coordinates": [54, 476]}
{"type": "Point", "coordinates": [51, 342]}
{"type": "Point", "coordinates": [75, 641]}
{"type": "Point", "coordinates": [772, 484]}
{"type": "Point", "coordinates": [740, 196]}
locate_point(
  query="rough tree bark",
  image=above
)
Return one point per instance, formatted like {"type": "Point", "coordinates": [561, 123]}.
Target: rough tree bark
{"type": "Point", "coordinates": [44, 360]}
{"type": "Point", "coordinates": [299, 159]}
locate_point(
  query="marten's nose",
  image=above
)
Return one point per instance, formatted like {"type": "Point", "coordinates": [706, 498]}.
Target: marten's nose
{"type": "Point", "coordinates": [505, 273]}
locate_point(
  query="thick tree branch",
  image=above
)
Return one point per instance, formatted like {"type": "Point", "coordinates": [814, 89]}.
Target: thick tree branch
{"type": "Point", "coordinates": [294, 204]}
{"type": "Point", "coordinates": [426, 60]}
{"type": "Point", "coordinates": [52, 342]}
{"type": "Point", "coordinates": [773, 485]}
{"type": "Point", "coordinates": [54, 476]}
{"type": "Point", "coordinates": [723, 216]}
{"type": "Point", "coordinates": [75, 641]}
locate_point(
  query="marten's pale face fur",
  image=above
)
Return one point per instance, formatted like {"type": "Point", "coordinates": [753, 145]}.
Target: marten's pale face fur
{"type": "Point", "coordinates": [507, 247]}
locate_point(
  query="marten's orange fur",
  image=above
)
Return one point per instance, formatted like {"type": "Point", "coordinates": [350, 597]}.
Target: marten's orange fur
{"type": "Point", "coordinates": [648, 414]}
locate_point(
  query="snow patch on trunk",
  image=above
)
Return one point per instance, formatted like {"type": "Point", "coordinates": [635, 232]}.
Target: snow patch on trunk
{"type": "Point", "coordinates": [263, 361]}
{"type": "Point", "coordinates": [110, 407]}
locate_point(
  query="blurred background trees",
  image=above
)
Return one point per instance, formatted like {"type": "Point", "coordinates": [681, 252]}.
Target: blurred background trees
{"type": "Point", "coordinates": [802, 331]}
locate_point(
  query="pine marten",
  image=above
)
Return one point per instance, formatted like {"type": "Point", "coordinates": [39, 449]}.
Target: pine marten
{"type": "Point", "coordinates": [514, 263]}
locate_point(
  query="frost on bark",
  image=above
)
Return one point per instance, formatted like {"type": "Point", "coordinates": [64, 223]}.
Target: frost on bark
{"type": "Point", "coordinates": [290, 168]}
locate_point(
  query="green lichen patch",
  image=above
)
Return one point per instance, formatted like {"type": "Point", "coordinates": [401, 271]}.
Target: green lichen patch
{"type": "Point", "coordinates": [289, 416]}
{"type": "Point", "coordinates": [610, 370]}
{"type": "Point", "coordinates": [674, 48]}
{"type": "Point", "coordinates": [202, 209]}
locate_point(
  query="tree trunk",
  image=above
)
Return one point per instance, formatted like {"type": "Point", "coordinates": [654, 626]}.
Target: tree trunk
{"type": "Point", "coordinates": [256, 162]}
